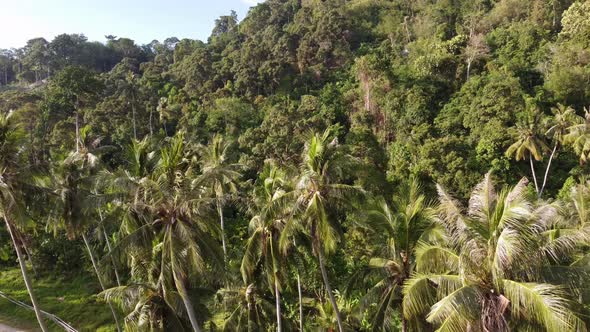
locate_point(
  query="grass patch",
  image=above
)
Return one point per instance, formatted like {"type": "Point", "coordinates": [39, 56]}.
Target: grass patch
{"type": "Point", "coordinates": [72, 299]}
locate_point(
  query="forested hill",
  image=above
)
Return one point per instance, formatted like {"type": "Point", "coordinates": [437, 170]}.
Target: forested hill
{"type": "Point", "coordinates": [437, 89]}
{"type": "Point", "coordinates": [322, 116]}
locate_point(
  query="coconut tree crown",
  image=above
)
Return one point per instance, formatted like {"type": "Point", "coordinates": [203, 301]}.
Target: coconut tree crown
{"type": "Point", "coordinates": [493, 279]}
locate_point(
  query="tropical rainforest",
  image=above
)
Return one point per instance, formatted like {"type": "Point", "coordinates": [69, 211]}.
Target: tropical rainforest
{"type": "Point", "coordinates": [318, 165]}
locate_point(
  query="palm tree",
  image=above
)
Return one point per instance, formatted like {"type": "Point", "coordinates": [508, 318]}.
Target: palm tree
{"type": "Point", "coordinates": [145, 299]}
{"type": "Point", "coordinates": [169, 210]}
{"type": "Point", "coordinates": [73, 182]}
{"type": "Point", "coordinates": [400, 232]}
{"type": "Point", "coordinates": [252, 311]}
{"type": "Point", "coordinates": [569, 236]}
{"type": "Point", "coordinates": [528, 145]}
{"type": "Point", "coordinates": [578, 136]}
{"type": "Point", "coordinates": [563, 118]}
{"type": "Point", "coordinates": [489, 277]}
{"type": "Point", "coordinates": [12, 193]}
{"type": "Point", "coordinates": [318, 195]}
{"type": "Point", "coordinates": [262, 247]}
{"type": "Point", "coordinates": [219, 174]}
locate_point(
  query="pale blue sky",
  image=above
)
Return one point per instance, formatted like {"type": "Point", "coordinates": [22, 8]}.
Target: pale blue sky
{"type": "Point", "coordinates": [141, 20]}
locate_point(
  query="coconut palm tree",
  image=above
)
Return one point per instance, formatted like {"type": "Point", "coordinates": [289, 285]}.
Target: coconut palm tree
{"type": "Point", "coordinates": [489, 277]}
{"type": "Point", "coordinates": [316, 198]}
{"type": "Point", "coordinates": [578, 136]}
{"type": "Point", "coordinates": [569, 236]}
{"type": "Point", "coordinates": [252, 311]}
{"type": "Point", "coordinates": [148, 305]}
{"type": "Point", "coordinates": [219, 174]}
{"type": "Point", "coordinates": [168, 210]}
{"type": "Point", "coordinates": [262, 247]}
{"type": "Point", "coordinates": [400, 232]}
{"type": "Point", "coordinates": [75, 202]}
{"type": "Point", "coordinates": [562, 119]}
{"type": "Point", "coordinates": [528, 144]}
{"type": "Point", "coordinates": [12, 194]}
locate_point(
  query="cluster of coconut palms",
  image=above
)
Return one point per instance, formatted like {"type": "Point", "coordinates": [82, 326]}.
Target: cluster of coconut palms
{"type": "Point", "coordinates": [502, 261]}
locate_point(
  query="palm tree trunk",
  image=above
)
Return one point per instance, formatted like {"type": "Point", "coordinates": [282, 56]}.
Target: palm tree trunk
{"type": "Point", "coordinates": [99, 278]}
{"type": "Point", "coordinates": [278, 304]}
{"type": "Point", "coordinates": [30, 260]}
{"type": "Point", "coordinates": [547, 170]}
{"type": "Point", "coordinates": [300, 303]}
{"type": "Point", "coordinates": [77, 132]}
{"type": "Point", "coordinates": [320, 253]}
{"type": "Point", "coordinates": [133, 115]}
{"type": "Point", "coordinates": [23, 270]}
{"type": "Point", "coordinates": [106, 237]}
{"type": "Point", "coordinates": [222, 224]}
{"type": "Point", "coordinates": [151, 129]}
{"type": "Point", "coordinates": [533, 171]}
{"type": "Point", "coordinates": [187, 304]}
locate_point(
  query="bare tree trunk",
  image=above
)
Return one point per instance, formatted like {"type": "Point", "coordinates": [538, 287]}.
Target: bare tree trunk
{"type": "Point", "coordinates": [99, 278]}
{"type": "Point", "coordinates": [23, 270]}
{"type": "Point", "coordinates": [278, 304]}
{"type": "Point", "coordinates": [468, 68]}
{"type": "Point", "coordinates": [554, 5]}
{"type": "Point", "coordinates": [300, 302]}
{"type": "Point", "coordinates": [533, 171]}
{"type": "Point", "coordinates": [106, 238]}
{"type": "Point", "coordinates": [151, 128]}
{"type": "Point", "coordinates": [77, 132]}
{"type": "Point", "coordinates": [187, 303]}
{"type": "Point", "coordinates": [547, 170]}
{"type": "Point", "coordinates": [30, 259]}
{"type": "Point", "coordinates": [222, 224]}
{"type": "Point", "coordinates": [320, 253]}
{"type": "Point", "coordinates": [133, 115]}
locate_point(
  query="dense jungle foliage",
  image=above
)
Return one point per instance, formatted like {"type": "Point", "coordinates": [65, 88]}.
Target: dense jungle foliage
{"type": "Point", "coordinates": [338, 165]}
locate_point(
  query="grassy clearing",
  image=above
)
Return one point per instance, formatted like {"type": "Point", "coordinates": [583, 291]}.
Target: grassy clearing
{"type": "Point", "coordinates": [71, 299]}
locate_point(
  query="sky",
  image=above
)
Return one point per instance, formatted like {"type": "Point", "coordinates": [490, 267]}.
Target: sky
{"type": "Point", "coordinates": [140, 20]}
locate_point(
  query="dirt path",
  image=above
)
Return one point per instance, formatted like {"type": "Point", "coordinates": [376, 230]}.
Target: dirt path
{"type": "Point", "coordinates": [6, 328]}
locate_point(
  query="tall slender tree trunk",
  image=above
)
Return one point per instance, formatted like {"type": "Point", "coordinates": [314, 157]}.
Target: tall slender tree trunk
{"type": "Point", "coordinates": [222, 224]}
{"type": "Point", "coordinates": [23, 270]}
{"type": "Point", "coordinates": [106, 238]}
{"type": "Point", "coordinates": [187, 303]}
{"type": "Point", "coordinates": [554, 5]}
{"type": "Point", "coordinates": [133, 115]}
{"type": "Point", "coordinates": [533, 171]}
{"type": "Point", "coordinates": [151, 128]}
{"type": "Point", "coordinates": [94, 265]}
{"type": "Point", "coordinates": [30, 260]}
{"type": "Point", "coordinates": [404, 324]}
{"type": "Point", "coordinates": [320, 253]}
{"type": "Point", "coordinates": [77, 131]}
{"type": "Point", "coordinates": [278, 304]}
{"type": "Point", "coordinates": [300, 302]}
{"type": "Point", "coordinates": [547, 169]}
